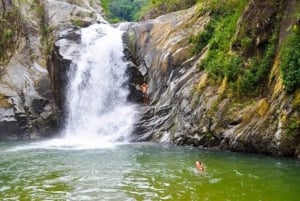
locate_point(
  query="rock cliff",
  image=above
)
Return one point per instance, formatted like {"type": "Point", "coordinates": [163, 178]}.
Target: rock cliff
{"type": "Point", "coordinates": [190, 107]}
{"type": "Point", "coordinates": [28, 78]}
{"type": "Point", "coordinates": [190, 103]}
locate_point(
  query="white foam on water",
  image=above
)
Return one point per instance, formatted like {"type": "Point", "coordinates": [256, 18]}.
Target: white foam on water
{"type": "Point", "coordinates": [65, 144]}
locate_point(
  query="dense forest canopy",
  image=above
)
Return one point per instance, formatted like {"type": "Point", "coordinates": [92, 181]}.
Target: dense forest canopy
{"type": "Point", "coordinates": [123, 10]}
{"type": "Point", "coordinates": [133, 10]}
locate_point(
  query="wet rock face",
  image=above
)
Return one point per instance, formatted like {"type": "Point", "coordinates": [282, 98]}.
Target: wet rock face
{"type": "Point", "coordinates": [60, 63]}
{"type": "Point", "coordinates": [5, 6]}
{"type": "Point", "coordinates": [135, 80]}
{"type": "Point", "coordinates": [66, 13]}
{"type": "Point", "coordinates": [24, 81]}
{"type": "Point", "coordinates": [160, 49]}
{"type": "Point", "coordinates": [65, 17]}
{"type": "Point", "coordinates": [187, 109]}
{"type": "Point", "coordinates": [258, 23]}
{"type": "Point", "coordinates": [32, 82]}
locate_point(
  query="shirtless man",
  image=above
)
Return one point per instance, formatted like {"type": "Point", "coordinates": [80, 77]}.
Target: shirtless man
{"type": "Point", "coordinates": [199, 166]}
{"type": "Point", "coordinates": [144, 88]}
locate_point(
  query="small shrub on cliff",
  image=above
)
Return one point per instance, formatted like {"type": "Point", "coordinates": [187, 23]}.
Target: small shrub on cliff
{"type": "Point", "coordinates": [243, 44]}
{"type": "Point", "coordinates": [293, 126]}
{"type": "Point", "coordinates": [9, 32]}
{"type": "Point", "coordinates": [78, 22]}
{"type": "Point", "coordinates": [232, 66]}
{"type": "Point", "coordinates": [296, 101]}
{"type": "Point", "coordinates": [258, 69]}
{"type": "Point", "coordinates": [221, 7]}
{"type": "Point", "coordinates": [201, 40]}
{"type": "Point", "coordinates": [220, 61]}
{"type": "Point", "coordinates": [290, 62]}
{"type": "Point", "coordinates": [228, 54]}
{"type": "Point", "coordinates": [173, 5]}
{"type": "Point", "coordinates": [220, 64]}
{"type": "Point", "coordinates": [105, 5]}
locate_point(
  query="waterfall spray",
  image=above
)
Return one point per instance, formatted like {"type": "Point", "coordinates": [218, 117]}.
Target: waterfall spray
{"type": "Point", "coordinates": [98, 115]}
{"type": "Point", "coordinates": [96, 97]}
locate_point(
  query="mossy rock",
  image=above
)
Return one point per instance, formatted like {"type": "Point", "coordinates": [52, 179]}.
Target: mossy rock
{"type": "Point", "coordinates": [296, 101]}
{"type": "Point", "coordinates": [262, 107]}
{"type": "Point", "coordinates": [4, 103]}
{"type": "Point", "coordinates": [80, 23]}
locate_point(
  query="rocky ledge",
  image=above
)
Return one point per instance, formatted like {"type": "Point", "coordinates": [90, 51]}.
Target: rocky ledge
{"type": "Point", "coordinates": [189, 108]}
{"type": "Point", "coordinates": [30, 95]}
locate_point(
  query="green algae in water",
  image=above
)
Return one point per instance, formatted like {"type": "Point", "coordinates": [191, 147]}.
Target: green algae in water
{"type": "Point", "coordinates": [143, 172]}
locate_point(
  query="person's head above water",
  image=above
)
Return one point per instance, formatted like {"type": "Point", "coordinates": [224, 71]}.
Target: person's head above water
{"type": "Point", "coordinates": [199, 165]}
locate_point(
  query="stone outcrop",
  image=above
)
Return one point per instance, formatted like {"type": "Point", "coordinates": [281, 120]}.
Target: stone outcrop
{"type": "Point", "coordinates": [60, 63]}
{"type": "Point", "coordinates": [186, 108]}
{"type": "Point", "coordinates": [28, 73]}
{"type": "Point", "coordinates": [66, 17]}
{"type": "Point", "coordinates": [167, 7]}
{"type": "Point", "coordinates": [161, 50]}
{"type": "Point", "coordinates": [67, 13]}
{"type": "Point", "coordinates": [27, 105]}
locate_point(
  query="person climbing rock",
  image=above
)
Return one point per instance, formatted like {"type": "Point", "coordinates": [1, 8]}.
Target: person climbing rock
{"type": "Point", "coordinates": [144, 88]}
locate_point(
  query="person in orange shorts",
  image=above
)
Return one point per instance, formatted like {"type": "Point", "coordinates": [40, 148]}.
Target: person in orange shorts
{"type": "Point", "coordinates": [144, 88]}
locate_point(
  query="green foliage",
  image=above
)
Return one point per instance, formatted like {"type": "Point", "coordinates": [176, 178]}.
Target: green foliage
{"type": "Point", "coordinates": [78, 22]}
{"type": "Point", "coordinates": [250, 78]}
{"type": "Point", "coordinates": [132, 10]}
{"type": "Point", "coordinates": [232, 66]}
{"type": "Point", "coordinates": [38, 8]}
{"type": "Point", "coordinates": [173, 5]}
{"type": "Point", "coordinates": [122, 10]}
{"type": "Point", "coordinates": [9, 33]}
{"type": "Point", "coordinates": [296, 101]}
{"type": "Point", "coordinates": [46, 38]}
{"type": "Point", "coordinates": [201, 40]}
{"type": "Point", "coordinates": [220, 64]}
{"type": "Point", "coordinates": [293, 126]}
{"type": "Point", "coordinates": [220, 60]}
{"type": "Point", "coordinates": [243, 44]}
{"type": "Point", "coordinates": [221, 7]}
{"type": "Point", "coordinates": [105, 5]}
{"type": "Point", "coordinates": [156, 8]}
{"type": "Point", "coordinates": [290, 62]}
{"type": "Point", "coordinates": [258, 70]}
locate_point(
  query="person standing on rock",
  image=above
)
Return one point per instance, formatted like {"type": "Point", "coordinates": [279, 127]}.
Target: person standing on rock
{"type": "Point", "coordinates": [144, 88]}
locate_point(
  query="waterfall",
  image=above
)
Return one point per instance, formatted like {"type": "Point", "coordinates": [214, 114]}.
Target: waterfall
{"type": "Point", "coordinates": [97, 93]}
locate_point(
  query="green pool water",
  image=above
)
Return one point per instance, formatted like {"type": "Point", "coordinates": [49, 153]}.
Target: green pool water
{"type": "Point", "coordinates": [142, 172]}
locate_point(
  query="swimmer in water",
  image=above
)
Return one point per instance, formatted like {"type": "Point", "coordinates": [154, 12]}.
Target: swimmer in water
{"type": "Point", "coordinates": [199, 166]}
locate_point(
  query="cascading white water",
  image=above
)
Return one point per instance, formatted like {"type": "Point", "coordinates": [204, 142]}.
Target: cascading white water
{"type": "Point", "coordinates": [96, 98]}
{"type": "Point", "coordinates": [98, 114]}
